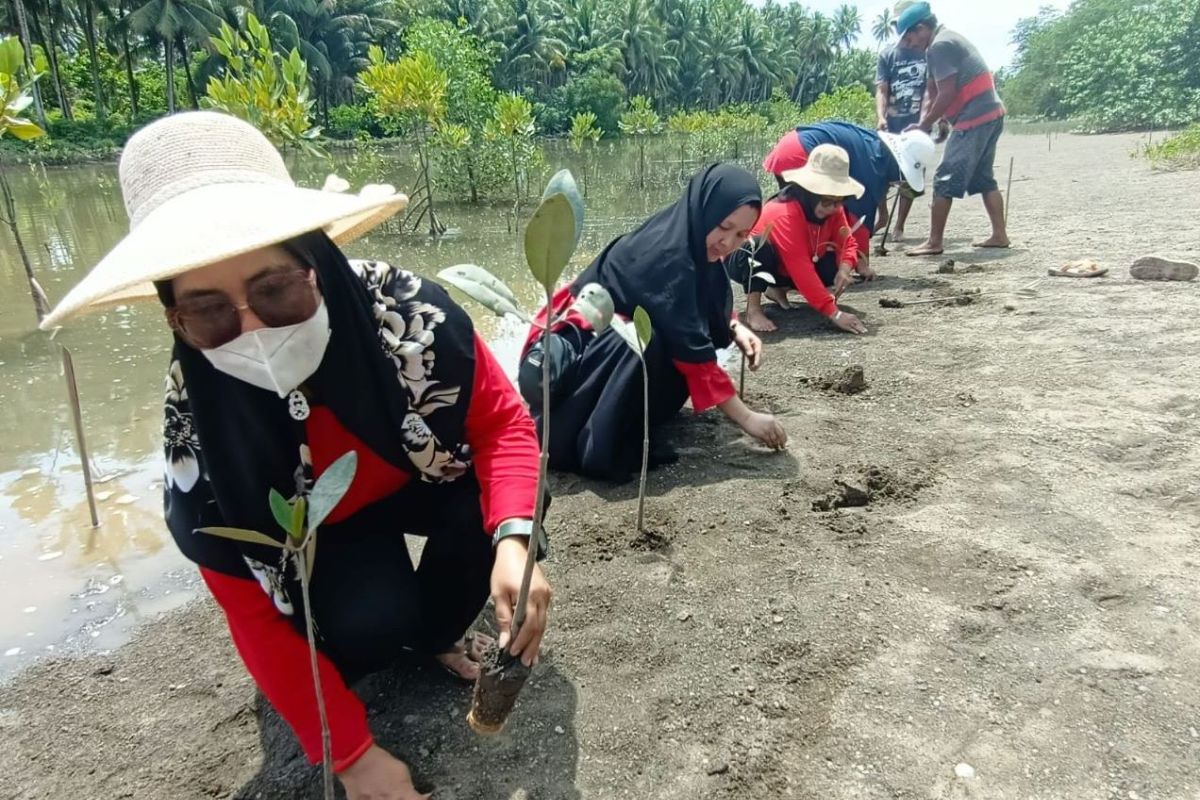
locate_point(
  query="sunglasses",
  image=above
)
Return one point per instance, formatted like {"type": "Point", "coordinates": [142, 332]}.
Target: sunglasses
{"type": "Point", "coordinates": [279, 297]}
{"type": "Point", "coordinates": [832, 201]}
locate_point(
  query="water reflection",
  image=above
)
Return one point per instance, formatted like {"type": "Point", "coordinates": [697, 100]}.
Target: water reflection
{"type": "Point", "coordinates": [86, 584]}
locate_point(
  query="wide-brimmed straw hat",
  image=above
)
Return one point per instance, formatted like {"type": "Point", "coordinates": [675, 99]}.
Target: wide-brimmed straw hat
{"type": "Point", "coordinates": [913, 151]}
{"type": "Point", "coordinates": [827, 173]}
{"type": "Point", "coordinates": [201, 187]}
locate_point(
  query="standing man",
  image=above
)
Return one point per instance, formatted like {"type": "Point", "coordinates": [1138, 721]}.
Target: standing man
{"type": "Point", "coordinates": [899, 96]}
{"type": "Point", "coordinates": [961, 89]}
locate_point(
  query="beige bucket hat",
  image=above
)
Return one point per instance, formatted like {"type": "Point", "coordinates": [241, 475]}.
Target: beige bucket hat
{"type": "Point", "coordinates": [827, 173]}
{"type": "Point", "coordinates": [201, 187]}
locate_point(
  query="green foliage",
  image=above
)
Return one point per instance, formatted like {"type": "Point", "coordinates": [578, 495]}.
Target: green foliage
{"type": "Point", "coordinates": [850, 103]}
{"type": "Point", "coordinates": [15, 98]}
{"type": "Point", "coordinates": [513, 127]}
{"type": "Point", "coordinates": [596, 92]}
{"type": "Point", "coordinates": [263, 88]}
{"type": "Point", "coordinates": [410, 92]}
{"type": "Point", "coordinates": [353, 122]}
{"type": "Point", "coordinates": [1110, 64]}
{"type": "Point", "coordinates": [583, 130]}
{"type": "Point", "coordinates": [1181, 151]}
{"type": "Point", "coordinates": [641, 119]}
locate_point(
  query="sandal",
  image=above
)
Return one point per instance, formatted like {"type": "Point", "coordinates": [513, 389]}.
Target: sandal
{"type": "Point", "coordinates": [1085, 268]}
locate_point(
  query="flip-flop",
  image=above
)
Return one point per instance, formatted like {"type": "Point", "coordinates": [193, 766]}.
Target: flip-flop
{"type": "Point", "coordinates": [1157, 268]}
{"type": "Point", "coordinates": [1085, 268]}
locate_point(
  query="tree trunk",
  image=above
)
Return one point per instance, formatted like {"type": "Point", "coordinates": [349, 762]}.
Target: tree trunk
{"type": "Point", "coordinates": [89, 16]}
{"type": "Point", "coordinates": [40, 306]}
{"type": "Point", "coordinates": [169, 61]}
{"type": "Point", "coordinates": [52, 56]}
{"type": "Point", "coordinates": [135, 90]}
{"type": "Point", "coordinates": [187, 70]}
{"type": "Point", "coordinates": [27, 45]}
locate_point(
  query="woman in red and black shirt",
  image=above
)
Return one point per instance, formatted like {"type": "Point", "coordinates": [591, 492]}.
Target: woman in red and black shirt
{"type": "Point", "coordinates": [670, 266]}
{"type": "Point", "coordinates": [809, 243]}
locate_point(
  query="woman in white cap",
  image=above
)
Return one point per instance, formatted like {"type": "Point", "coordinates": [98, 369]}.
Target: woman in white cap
{"type": "Point", "coordinates": [287, 356]}
{"type": "Point", "coordinates": [809, 244]}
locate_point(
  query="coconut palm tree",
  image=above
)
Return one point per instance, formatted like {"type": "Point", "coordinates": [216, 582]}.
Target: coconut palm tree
{"type": "Point", "coordinates": [649, 67]}
{"type": "Point", "coordinates": [165, 21]}
{"type": "Point", "coordinates": [881, 28]}
{"type": "Point", "coordinates": [847, 24]}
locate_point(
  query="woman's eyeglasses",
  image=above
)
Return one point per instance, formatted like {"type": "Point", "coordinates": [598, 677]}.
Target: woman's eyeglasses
{"type": "Point", "coordinates": [279, 297]}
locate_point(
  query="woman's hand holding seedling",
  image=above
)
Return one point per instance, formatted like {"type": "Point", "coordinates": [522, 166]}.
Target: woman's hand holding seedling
{"type": "Point", "coordinates": [378, 775]}
{"type": "Point", "coordinates": [749, 343]}
{"type": "Point", "coordinates": [507, 572]}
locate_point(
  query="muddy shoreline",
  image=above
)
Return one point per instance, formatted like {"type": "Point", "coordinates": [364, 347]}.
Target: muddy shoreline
{"type": "Point", "coordinates": [986, 555]}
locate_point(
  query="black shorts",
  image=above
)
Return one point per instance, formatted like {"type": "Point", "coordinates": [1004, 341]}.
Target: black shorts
{"type": "Point", "coordinates": [968, 164]}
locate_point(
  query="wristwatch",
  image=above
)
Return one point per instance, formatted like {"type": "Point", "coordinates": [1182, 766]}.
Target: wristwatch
{"type": "Point", "coordinates": [522, 527]}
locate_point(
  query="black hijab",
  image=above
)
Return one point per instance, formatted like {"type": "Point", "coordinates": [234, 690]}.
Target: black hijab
{"type": "Point", "coordinates": [379, 377]}
{"type": "Point", "coordinates": [794, 192]}
{"type": "Point", "coordinates": [663, 266]}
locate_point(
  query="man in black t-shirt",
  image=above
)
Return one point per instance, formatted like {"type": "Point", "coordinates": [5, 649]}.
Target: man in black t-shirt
{"type": "Point", "coordinates": [899, 95]}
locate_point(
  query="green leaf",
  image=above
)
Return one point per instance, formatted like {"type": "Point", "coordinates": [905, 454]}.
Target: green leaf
{"type": "Point", "coordinates": [484, 288]}
{"type": "Point", "coordinates": [330, 489]}
{"type": "Point", "coordinates": [242, 535]}
{"type": "Point", "coordinates": [550, 240]}
{"type": "Point", "coordinates": [23, 129]}
{"type": "Point", "coordinates": [641, 323]}
{"type": "Point", "coordinates": [563, 183]}
{"type": "Point", "coordinates": [297, 527]}
{"type": "Point", "coordinates": [281, 509]}
{"type": "Point", "coordinates": [12, 56]}
{"type": "Point", "coordinates": [596, 305]}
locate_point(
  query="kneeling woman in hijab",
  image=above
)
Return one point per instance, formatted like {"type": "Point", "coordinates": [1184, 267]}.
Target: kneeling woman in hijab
{"type": "Point", "coordinates": [808, 243]}
{"type": "Point", "coordinates": [671, 267]}
{"type": "Point", "coordinates": [287, 356]}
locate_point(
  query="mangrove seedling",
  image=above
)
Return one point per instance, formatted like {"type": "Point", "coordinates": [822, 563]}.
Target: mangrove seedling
{"type": "Point", "coordinates": [637, 335]}
{"type": "Point", "coordinates": [550, 240]}
{"type": "Point", "coordinates": [300, 518]}
{"type": "Point", "coordinates": [752, 246]}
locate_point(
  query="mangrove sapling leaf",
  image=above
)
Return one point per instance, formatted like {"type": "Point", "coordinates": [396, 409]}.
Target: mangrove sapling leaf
{"type": "Point", "coordinates": [282, 510]}
{"type": "Point", "coordinates": [242, 535]}
{"type": "Point", "coordinates": [563, 183]}
{"type": "Point", "coordinates": [298, 516]}
{"type": "Point", "coordinates": [641, 324]}
{"type": "Point", "coordinates": [626, 331]}
{"type": "Point", "coordinates": [330, 488]}
{"type": "Point", "coordinates": [595, 304]}
{"type": "Point", "coordinates": [550, 240]}
{"type": "Point", "coordinates": [484, 288]}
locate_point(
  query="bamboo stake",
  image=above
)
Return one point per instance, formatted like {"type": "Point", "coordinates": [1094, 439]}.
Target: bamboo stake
{"type": "Point", "coordinates": [882, 248]}
{"type": "Point", "coordinates": [1008, 191]}
{"type": "Point", "coordinates": [77, 415]}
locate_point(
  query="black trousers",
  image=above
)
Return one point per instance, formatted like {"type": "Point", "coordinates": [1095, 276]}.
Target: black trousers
{"type": "Point", "coordinates": [596, 406]}
{"type": "Point", "coordinates": [371, 605]}
{"type": "Point", "coordinates": [739, 269]}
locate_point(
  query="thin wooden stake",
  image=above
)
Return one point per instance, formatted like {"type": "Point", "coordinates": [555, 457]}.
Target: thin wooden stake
{"type": "Point", "coordinates": [77, 414]}
{"type": "Point", "coordinates": [1008, 191]}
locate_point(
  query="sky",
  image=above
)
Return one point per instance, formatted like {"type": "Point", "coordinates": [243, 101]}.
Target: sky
{"type": "Point", "coordinates": [987, 23]}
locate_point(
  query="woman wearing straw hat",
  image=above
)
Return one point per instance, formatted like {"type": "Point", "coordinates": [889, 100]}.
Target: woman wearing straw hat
{"type": "Point", "coordinates": [286, 356]}
{"type": "Point", "coordinates": [878, 160]}
{"type": "Point", "coordinates": [809, 243]}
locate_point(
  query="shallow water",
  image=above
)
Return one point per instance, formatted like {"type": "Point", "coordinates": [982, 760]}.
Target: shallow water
{"type": "Point", "coordinates": [65, 585]}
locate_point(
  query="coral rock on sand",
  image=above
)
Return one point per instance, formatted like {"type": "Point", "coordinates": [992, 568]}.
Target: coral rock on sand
{"type": "Point", "coordinates": [1157, 268]}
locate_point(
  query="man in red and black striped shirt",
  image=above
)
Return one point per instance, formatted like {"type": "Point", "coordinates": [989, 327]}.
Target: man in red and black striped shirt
{"type": "Point", "coordinates": [961, 89]}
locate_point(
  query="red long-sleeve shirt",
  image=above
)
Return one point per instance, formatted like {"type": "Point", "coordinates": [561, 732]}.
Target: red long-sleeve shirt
{"type": "Point", "coordinates": [505, 450]}
{"type": "Point", "coordinates": [708, 384]}
{"type": "Point", "coordinates": [797, 241]}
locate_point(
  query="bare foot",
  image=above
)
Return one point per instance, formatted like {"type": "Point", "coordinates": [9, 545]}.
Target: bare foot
{"type": "Point", "coordinates": [897, 235]}
{"type": "Point", "coordinates": [462, 660]}
{"type": "Point", "coordinates": [926, 249]}
{"type": "Point", "coordinates": [779, 296]}
{"type": "Point", "coordinates": [758, 321]}
{"type": "Point", "coordinates": [997, 242]}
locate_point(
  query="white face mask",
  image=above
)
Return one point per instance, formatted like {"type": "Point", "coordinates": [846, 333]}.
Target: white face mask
{"type": "Point", "coordinates": [276, 359]}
